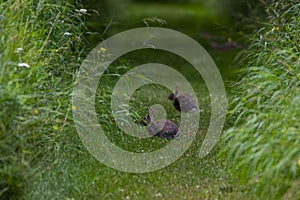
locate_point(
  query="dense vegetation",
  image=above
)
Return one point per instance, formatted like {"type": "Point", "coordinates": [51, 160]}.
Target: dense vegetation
{"type": "Point", "coordinates": [40, 48]}
{"type": "Point", "coordinates": [42, 45]}
{"type": "Point", "coordinates": [265, 136]}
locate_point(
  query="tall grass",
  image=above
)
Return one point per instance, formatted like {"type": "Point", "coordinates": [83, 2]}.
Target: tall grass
{"type": "Point", "coordinates": [265, 135]}
{"type": "Point", "coordinates": [41, 156]}
{"type": "Point", "coordinates": [40, 45]}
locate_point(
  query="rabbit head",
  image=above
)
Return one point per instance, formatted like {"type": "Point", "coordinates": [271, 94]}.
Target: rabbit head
{"type": "Point", "coordinates": [148, 118]}
{"type": "Point", "coordinates": [173, 95]}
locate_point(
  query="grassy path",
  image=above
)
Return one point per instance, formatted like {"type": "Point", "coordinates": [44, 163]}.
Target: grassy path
{"type": "Point", "coordinates": [68, 171]}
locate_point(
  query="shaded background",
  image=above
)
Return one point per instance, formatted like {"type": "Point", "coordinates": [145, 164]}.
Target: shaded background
{"type": "Point", "coordinates": [222, 27]}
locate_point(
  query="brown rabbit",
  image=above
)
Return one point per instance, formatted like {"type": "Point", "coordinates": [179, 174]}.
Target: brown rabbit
{"type": "Point", "coordinates": [160, 128]}
{"type": "Point", "coordinates": [183, 102]}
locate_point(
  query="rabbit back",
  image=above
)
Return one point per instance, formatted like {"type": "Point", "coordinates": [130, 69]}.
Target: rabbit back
{"type": "Point", "coordinates": [164, 129]}
{"type": "Point", "coordinates": [185, 103]}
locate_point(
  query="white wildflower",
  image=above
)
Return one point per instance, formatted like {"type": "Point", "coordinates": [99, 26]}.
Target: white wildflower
{"type": "Point", "coordinates": [158, 195]}
{"type": "Point", "coordinates": [82, 10]}
{"type": "Point", "coordinates": [67, 33]}
{"type": "Point", "coordinates": [23, 65]}
{"type": "Point", "coordinates": [19, 49]}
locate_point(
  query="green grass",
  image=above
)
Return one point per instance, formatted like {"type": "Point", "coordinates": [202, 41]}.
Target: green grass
{"type": "Point", "coordinates": [73, 173]}
{"type": "Point", "coordinates": [41, 154]}
{"type": "Point", "coordinates": [264, 139]}
{"type": "Point", "coordinates": [35, 99]}
{"type": "Point", "coordinates": [187, 18]}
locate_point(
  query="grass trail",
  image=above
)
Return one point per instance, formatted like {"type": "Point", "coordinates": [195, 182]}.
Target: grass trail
{"type": "Point", "coordinates": [73, 173]}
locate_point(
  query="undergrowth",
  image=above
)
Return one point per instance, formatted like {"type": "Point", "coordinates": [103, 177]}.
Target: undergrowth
{"type": "Point", "coordinates": [265, 135]}
{"type": "Point", "coordinates": [40, 44]}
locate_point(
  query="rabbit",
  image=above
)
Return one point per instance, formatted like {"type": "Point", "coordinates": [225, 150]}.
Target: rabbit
{"type": "Point", "coordinates": [183, 102]}
{"type": "Point", "coordinates": [160, 128]}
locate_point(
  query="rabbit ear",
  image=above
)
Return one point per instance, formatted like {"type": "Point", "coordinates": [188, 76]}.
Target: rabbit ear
{"type": "Point", "coordinates": [151, 112]}
{"type": "Point", "coordinates": [177, 90]}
